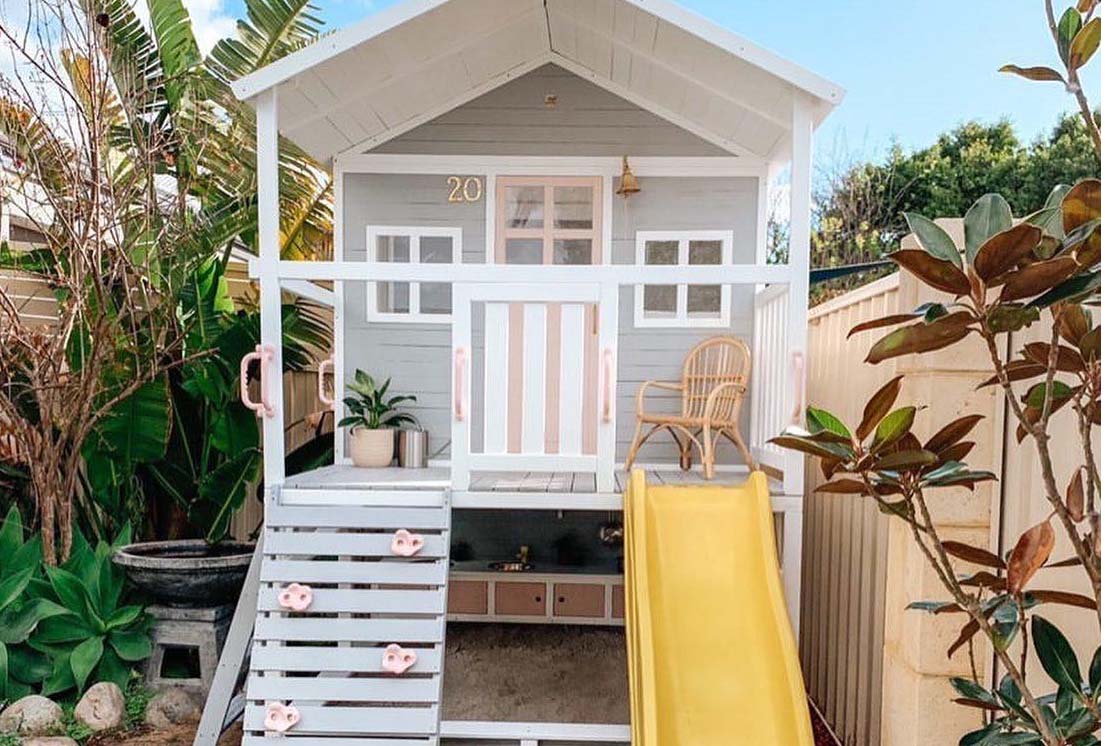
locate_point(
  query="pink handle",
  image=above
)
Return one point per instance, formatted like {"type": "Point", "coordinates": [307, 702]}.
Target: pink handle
{"type": "Point", "coordinates": [460, 360]}
{"type": "Point", "coordinates": [322, 397]}
{"type": "Point", "coordinates": [607, 385]}
{"type": "Point", "coordinates": [262, 354]}
{"type": "Point", "coordinates": [798, 365]}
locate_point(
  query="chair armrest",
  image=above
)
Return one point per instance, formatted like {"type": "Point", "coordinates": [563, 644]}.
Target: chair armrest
{"type": "Point", "coordinates": [741, 390]}
{"type": "Point", "coordinates": [665, 385]}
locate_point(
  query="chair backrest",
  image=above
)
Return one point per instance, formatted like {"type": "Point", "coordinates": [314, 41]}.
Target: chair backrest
{"type": "Point", "coordinates": [710, 363]}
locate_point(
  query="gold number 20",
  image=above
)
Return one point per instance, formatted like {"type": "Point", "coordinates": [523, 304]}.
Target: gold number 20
{"type": "Point", "coordinates": [468, 189]}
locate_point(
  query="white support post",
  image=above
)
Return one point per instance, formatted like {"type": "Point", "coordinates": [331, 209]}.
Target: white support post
{"type": "Point", "coordinates": [339, 317]}
{"type": "Point", "coordinates": [792, 562]}
{"type": "Point", "coordinates": [461, 385]}
{"type": "Point", "coordinates": [268, 232]}
{"type": "Point", "coordinates": [798, 307]}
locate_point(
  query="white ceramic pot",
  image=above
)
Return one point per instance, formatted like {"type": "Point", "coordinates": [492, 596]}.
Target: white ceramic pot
{"type": "Point", "coordinates": [372, 448]}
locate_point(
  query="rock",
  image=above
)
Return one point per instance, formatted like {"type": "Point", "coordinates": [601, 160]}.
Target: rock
{"type": "Point", "coordinates": [33, 715]}
{"type": "Point", "coordinates": [102, 707]}
{"type": "Point", "coordinates": [49, 741]}
{"type": "Point", "coordinates": [172, 707]}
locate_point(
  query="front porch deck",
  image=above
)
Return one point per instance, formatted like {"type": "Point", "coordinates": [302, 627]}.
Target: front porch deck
{"type": "Point", "coordinates": [343, 484]}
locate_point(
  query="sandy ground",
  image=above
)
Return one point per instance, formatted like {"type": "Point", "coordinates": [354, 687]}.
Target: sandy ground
{"type": "Point", "coordinates": [180, 735]}
{"type": "Point", "coordinates": [536, 673]}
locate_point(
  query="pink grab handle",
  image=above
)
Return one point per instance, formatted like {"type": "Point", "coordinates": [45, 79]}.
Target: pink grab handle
{"type": "Point", "coordinates": [328, 401]}
{"type": "Point", "coordinates": [262, 354]}
{"type": "Point", "coordinates": [607, 385]}
{"type": "Point", "coordinates": [798, 365]}
{"type": "Point", "coordinates": [460, 362]}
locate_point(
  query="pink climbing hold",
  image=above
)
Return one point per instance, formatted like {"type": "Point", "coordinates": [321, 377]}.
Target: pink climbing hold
{"type": "Point", "coordinates": [280, 717]}
{"type": "Point", "coordinates": [406, 544]}
{"type": "Point", "coordinates": [296, 597]}
{"type": "Point", "coordinates": [397, 660]}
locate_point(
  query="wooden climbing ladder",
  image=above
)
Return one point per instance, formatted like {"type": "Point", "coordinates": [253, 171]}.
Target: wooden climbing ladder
{"type": "Point", "coordinates": [348, 633]}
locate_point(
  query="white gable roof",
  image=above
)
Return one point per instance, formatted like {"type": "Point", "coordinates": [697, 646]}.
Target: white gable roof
{"type": "Point", "coordinates": [363, 85]}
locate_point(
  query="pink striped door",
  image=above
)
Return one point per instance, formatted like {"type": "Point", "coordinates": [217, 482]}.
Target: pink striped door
{"type": "Point", "coordinates": [550, 220]}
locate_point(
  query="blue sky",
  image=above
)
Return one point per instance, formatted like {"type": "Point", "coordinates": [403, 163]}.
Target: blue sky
{"type": "Point", "coordinates": [912, 69]}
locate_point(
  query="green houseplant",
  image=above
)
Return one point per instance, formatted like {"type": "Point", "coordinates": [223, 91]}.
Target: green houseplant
{"type": "Point", "coordinates": [372, 421]}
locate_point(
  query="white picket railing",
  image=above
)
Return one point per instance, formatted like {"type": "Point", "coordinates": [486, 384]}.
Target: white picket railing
{"type": "Point", "coordinates": [770, 374]}
{"type": "Point", "coordinates": [532, 422]}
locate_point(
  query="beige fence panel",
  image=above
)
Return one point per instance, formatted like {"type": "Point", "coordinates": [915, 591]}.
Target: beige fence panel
{"type": "Point", "coordinates": [844, 562]}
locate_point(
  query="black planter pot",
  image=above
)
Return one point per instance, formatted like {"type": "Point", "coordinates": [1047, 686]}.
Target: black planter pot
{"type": "Point", "coordinates": [188, 572]}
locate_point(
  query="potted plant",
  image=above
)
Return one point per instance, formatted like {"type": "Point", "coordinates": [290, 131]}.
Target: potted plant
{"type": "Point", "coordinates": [373, 420]}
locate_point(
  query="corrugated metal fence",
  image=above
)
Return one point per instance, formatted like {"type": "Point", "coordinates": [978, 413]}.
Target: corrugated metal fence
{"type": "Point", "coordinates": [844, 546]}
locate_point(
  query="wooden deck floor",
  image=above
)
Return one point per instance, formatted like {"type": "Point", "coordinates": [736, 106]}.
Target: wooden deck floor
{"type": "Point", "coordinates": [351, 477]}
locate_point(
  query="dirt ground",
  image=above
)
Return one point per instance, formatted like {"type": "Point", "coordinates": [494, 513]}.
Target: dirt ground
{"type": "Point", "coordinates": [535, 673]}
{"type": "Point", "coordinates": [180, 735]}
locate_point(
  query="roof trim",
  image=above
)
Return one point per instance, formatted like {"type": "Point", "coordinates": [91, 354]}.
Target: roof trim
{"type": "Point", "coordinates": [343, 40]}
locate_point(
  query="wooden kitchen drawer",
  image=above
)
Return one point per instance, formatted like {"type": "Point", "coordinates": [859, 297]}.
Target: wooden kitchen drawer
{"type": "Point", "coordinates": [617, 602]}
{"type": "Point", "coordinates": [467, 597]}
{"type": "Point", "coordinates": [579, 600]}
{"type": "Point", "coordinates": [519, 599]}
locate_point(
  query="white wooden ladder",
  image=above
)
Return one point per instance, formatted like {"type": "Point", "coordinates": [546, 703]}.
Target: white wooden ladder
{"type": "Point", "coordinates": [364, 608]}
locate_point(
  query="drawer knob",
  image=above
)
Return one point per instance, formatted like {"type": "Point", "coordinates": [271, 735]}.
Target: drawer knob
{"type": "Point", "coordinates": [561, 599]}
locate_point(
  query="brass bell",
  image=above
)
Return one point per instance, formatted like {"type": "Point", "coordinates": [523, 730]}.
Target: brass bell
{"type": "Point", "coordinates": [629, 184]}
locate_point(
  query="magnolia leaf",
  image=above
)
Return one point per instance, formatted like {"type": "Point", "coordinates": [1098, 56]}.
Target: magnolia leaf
{"type": "Point", "coordinates": [843, 487]}
{"type": "Point", "coordinates": [1056, 655]}
{"type": "Point", "coordinates": [1084, 44]}
{"type": "Point", "coordinates": [1017, 370]}
{"type": "Point", "coordinates": [1073, 320]}
{"type": "Point", "coordinates": [1004, 250]}
{"type": "Point", "coordinates": [1037, 395]}
{"type": "Point", "coordinates": [1066, 598]}
{"type": "Point", "coordinates": [933, 239]}
{"type": "Point", "coordinates": [878, 406]}
{"type": "Point", "coordinates": [956, 452]}
{"type": "Point", "coordinates": [1038, 278]}
{"type": "Point", "coordinates": [952, 433]}
{"type": "Point", "coordinates": [1011, 317]}
{"type": "Point", "coordinates": [973, 554]}
{"type": "Point", "coordinates": [1070, 23]}
{"type": "Point", "coordinates": [1029, 555]}
{"type": "Point", "coordinates": [922, 337]}
{"type": "Point", "coordinates": [812, 447]}
{"type": "Point", "coordinates": [969, 630]}
{"type": "Point", "coordinates": [987, 217]}
{"type": "Point", "coordinates": [934, 607]}
{"type": "Point", "coordinates": [1067, 359]}
{"type": "Point", "coordinates": [1076, 497]}
{"type": "Point", "coordinates": [933, 271]}
{"type": "Point", "coordinates": [899, 460]}
{"type": "Point", "coordinates": [892, 427]}
{"type": "Point", "coordinates": [820, 420]}
{"type": "Point", "coordinates": [894, 320]}
{"type": "Point", "coordinates": [1090, 344]}
{"type": "Point", "coordinates": [1081, 204]}
{"type": "Point", "coordinates": [1075, 289]}
{"type": "Point", "coordinates": [1035, 72]}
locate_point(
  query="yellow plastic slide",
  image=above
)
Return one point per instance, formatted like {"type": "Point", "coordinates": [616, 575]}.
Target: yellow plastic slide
{"type": "Point", "coordinates": [712, 659]}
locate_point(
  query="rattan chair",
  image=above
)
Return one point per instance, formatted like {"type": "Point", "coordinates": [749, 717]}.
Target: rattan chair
{"type": "Point", "coordinates": [715, 379]}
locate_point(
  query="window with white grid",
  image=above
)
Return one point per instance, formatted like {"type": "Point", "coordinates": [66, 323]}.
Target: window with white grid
{"type": "Point", "coordinates": [415, 302]}
{"type": "Point", "coordinates": [683, 304]}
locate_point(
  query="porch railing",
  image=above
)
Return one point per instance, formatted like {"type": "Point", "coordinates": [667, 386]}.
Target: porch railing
{"type": "Point", "coordinates": [769, 374]}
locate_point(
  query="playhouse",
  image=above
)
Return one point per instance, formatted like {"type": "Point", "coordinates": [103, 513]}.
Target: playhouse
{"type": "Point", "coordinates": [540, 206]}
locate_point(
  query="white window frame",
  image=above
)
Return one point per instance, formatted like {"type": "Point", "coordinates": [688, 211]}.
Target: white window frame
{"type": "Point", "coordinates": [682, 318]}
{"type": "Point", "coordinates": [414, 234]}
